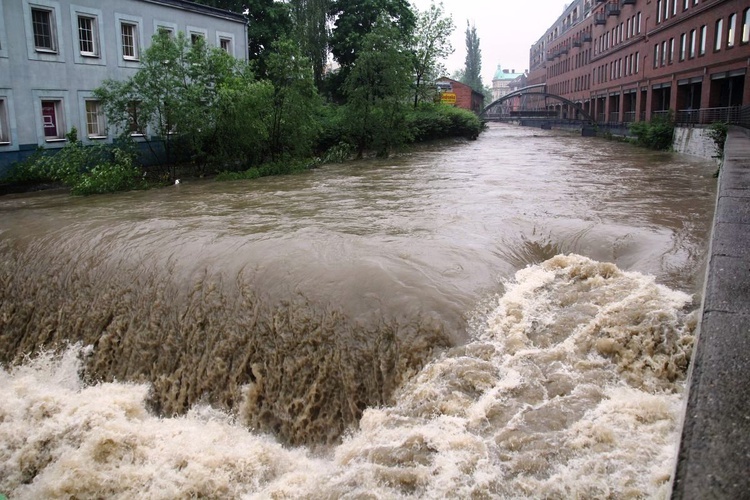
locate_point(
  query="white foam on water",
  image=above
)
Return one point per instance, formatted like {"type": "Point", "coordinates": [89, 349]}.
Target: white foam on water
{"type": "Point", "coordinates": [573, 390]}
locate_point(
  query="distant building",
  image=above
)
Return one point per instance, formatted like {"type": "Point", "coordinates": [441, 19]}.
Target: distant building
{"type": "Point", "coordinates": [502, 80]}
{"type": "Point", "coordinates": [460, 95]}
{"type": "Point", "coordinates": [54, 53]}
{"type": "Point", "coordinates": [632, 60]}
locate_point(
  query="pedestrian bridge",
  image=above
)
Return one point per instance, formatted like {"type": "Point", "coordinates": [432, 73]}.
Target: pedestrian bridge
{"type": "Point", "coordinates": [534, 104]}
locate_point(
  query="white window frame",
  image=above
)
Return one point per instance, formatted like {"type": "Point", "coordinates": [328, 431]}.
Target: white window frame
{"type": "Point", "coordinates": [62, 112]}
{"type": "Point", "coordinates": [98, 119]}
{"type": "Point", "coordinates": [221, 37]}
{"type": "Point", "coordinates": [98, 57]}
{"type": "Point", "coordinates": [196, 31]}
{"type": "Point", "coordinates": [56, 53]}
{"type": "Point", "coordinates": [49, 23]}
{"type": "Point", "coordinates": [59, 116]}
{"type": "Point", "coordinates": [3, 38]}
{"type": "Point", "coordinates": [164, 25]}
{"type": "Point", "coordinates": [130, 49]}
{"type": "Point", "coordinates": [129, 60]}
{"type": "Point", "coordinates": [91, 40]}
{"type": "Point", "coordinates": [5, 135]}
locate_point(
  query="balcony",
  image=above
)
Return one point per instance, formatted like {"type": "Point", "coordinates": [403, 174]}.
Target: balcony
{"type": "Point", "coordinates": [586, 37]}
{"type": "Point", "coordinates": [627, 2]}
{"type": "Point", "coordinates": [600, 18]}
{"type": "Point", "coordinates": [612, 9]}
{"type": "Point", "coordinates": [577, 42]}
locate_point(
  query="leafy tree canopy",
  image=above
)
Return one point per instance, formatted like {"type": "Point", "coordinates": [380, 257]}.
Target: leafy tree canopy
{"type": "Point", "coordinates": [473, 70]}
{"type": "Point", "coordinates": [354, 19]}
{"type": "Point", "coordinates": [431, 45]}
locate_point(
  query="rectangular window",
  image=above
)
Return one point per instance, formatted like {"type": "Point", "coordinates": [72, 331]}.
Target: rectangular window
{"type": "Point", "coordinates": [674, 8]}
{"type": "Point", "coordinates": [671, 50]}
{"type": "Point", "coordinates": [129, 35]}
{"type": "Point", "coordinates": [731, 27]}
{"type": "Point", "coordinates": [88, 36]}
{"type": "Point", "coordinates": [195, 37]}
{"type": "Point", "coordinates": [637, 63]}
{"type": "Point", "coordinates": [656, 55]}
{"type": "Point", "coordinates": [664, 53]}
{"type": "Point", "coordinates": [683, 46]}
{"type": "Point", "coordinates": [226, 45]}
{"type": "Point", "coordinates": [658, 11]}
{"type": "Point", "coordinates": [666, 9]}
{"type": "Point", "coordinates": [54, 128]}
{"type": "Point", "coordinates": [164, 30]}
{"type": "Point", "coordinates": [639, 23]}
{"type": "Point", "coordinates": [94, 120]}
{"type": "Point", "coordinates": [702, 46]}
{"type": "Point", "coordinates": [4, 129]}
{"type": "Point", "coordinates": [42, 22]}
{"type": "Point", "coordinates": [692, 44]}
{"type": "Point", "coordinates": [746, 25]}
{"type": "Point", "coordinates": [718, 35]}
{"type": "Point", "coordinates": [135, 127]}
{"type": "Point", "coordinates": [686, 5]}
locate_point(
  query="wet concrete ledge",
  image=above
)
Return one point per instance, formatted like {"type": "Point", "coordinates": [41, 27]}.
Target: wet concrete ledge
{"type": "Point", "coordinates": [714, 454]}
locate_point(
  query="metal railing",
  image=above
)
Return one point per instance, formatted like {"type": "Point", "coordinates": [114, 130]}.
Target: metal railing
{"type": "Point", "coordinates": [628, 116]}
{"type": "Point", "coordinates": [735, 115]}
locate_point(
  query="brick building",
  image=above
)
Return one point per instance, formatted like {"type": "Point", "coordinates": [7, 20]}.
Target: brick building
{"type": "Point", "coordinates": [460, 95]}
{"type": "Point", "coordinates": [631, 60]}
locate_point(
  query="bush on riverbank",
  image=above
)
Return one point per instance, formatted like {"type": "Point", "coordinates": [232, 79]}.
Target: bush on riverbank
{"type": "Point", "coordinates": [657, 134]}
{"type": "Point", "coordinates": [437, 121]}
{"type": "Point", "coordinates": [84, 169]}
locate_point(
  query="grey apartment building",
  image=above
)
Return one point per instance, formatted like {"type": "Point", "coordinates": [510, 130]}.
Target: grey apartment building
{"type": "Point", "coordinates": [53, 53]}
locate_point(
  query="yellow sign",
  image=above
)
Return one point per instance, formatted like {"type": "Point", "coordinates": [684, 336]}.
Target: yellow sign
{"type": "Point", "coordinates": [448, 98]}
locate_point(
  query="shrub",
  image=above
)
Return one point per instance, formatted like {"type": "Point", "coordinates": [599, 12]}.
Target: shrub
{"type": "Point", "coordinates": [438, 121]}
{"type": "Point", "coordinates": [718, 133]}
{"type": "Point", "coordinates": [85, 169]}
{"type": "Point", "coordinates": [272, 168]}
{"type": "Point", "coordinates": [657, 134]}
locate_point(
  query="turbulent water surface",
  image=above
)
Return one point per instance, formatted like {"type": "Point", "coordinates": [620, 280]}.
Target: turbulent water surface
{"type": "Point", "coordinates": [510, 317]}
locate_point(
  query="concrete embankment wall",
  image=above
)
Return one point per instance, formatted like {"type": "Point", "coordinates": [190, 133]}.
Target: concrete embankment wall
{"type": "Point", "coordinates": [694, 141]}
{"type": "Point", "coordinates": [714, 455]}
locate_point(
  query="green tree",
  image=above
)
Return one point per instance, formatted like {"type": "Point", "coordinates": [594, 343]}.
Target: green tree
{"type": "Point", "coordinates": [290, 121]}
{"type": "Point", "coordinates": [174, 95]}
{"type": "Point", "coordinates": [268, 22]}
{"type": "Point", "coordinates": [473, 67]}
{"type": "Point", "coordinates": [377, 91]}
{"type": "Point", "coordinates": [310, 18]}
{"type": "Point", "coordinates": [356, 18]}
{"type": "Point", "coordinates": [431, 45]}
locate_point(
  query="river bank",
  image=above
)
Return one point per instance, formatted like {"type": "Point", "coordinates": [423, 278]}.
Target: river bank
{"type": "Point", "coordinates": [714, 457]}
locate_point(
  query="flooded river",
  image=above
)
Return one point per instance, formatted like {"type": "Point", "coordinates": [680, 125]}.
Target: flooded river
{"type": "Point", "coordinates": [511, 317]}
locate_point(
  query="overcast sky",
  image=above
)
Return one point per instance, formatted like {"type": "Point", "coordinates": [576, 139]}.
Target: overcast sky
{"type": "Point", "coordinates": [506, 30]}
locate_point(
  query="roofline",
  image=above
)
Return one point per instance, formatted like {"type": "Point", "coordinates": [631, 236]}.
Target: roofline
{"type": "Point", "coordinates": [201, 9]}
{"type": "Point", "coordinates": [462, 83]}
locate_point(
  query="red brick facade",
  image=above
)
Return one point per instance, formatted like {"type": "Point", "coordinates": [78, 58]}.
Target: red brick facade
{"type": "Point", "coordinates": [466, 97]}
{"type": "Point", "coordinates": [629, 60]}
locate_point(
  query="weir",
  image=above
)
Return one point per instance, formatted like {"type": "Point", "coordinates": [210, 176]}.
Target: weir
{"type": "Point", "coordinates": [714, 456]}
